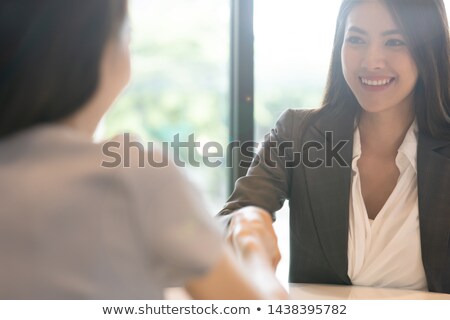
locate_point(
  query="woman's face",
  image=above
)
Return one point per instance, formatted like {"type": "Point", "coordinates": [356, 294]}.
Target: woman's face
{"type": "Point", "coordinates": [116, 69]}
{"type": "Point", "coordinates": [376, 61]}
{"type": "Point", "coordinates": [120, 55]}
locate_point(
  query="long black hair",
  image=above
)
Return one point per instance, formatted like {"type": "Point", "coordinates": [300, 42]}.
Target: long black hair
{"type": "Point", "coordinates": [425, 26]}
{"type": "Point", "coordinates": [50, 57]}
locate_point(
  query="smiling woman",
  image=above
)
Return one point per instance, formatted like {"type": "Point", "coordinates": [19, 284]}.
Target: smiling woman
{"type": "Point", "coordinates": [292, 52]}
{"type": "Point", "coordinates": [382, 219]}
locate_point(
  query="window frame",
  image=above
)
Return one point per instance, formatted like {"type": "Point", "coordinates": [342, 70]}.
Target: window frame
{"type": "Point", "coordinates": [241, 85]}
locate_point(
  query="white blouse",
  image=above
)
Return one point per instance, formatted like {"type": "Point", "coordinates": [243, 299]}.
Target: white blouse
{"type": "Point", "coordinates": [386, 252]}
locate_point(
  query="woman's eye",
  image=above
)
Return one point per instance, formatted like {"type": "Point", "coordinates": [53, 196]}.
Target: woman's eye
{"type": "Point", "coordinates": [395, 43]}
{"type": "Point", "coordinates": [355, 40]}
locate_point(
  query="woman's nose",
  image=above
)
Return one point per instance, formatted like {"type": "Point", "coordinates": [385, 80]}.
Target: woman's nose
{"type": "Point", "coordinates": [374, 58]}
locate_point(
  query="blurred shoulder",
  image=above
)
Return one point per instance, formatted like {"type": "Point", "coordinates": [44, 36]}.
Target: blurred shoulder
{"type": "Point", "coordinates": [141, 159]}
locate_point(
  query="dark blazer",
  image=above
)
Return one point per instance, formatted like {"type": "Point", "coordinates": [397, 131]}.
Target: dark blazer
{"type": "Point", "coordinates": [319, 198]}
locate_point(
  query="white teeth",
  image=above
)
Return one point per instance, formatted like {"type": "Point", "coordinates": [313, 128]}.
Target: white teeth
{"type": "Point", "coordinates": [376, 82]}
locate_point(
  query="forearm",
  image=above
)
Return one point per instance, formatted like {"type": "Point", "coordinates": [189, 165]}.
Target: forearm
{"type": "Point", "coordinates": [248, 280]}
{"type": "Point", "coordinates": [259, 267]}
{"type": "Point", "coordinates": [251, 230]}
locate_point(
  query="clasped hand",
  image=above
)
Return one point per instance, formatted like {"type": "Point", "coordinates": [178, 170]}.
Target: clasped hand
{"type": "Point", "coordinates": [251, 232]}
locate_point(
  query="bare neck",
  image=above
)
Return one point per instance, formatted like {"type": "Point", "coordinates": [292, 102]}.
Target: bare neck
{"type": "Point", "coordinates": [382, 133]}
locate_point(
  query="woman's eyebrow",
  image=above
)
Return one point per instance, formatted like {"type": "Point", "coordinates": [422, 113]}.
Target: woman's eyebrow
{"type": "Point", "coordinates": [357, 30]}
{"type": "Point", "coordinates": [384, 33]}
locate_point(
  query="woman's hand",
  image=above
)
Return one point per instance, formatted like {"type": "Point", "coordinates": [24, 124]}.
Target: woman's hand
{"type": "Point", "coordinates": [228, 279]}
{"type": "Point", "coordinates": [251, 232]}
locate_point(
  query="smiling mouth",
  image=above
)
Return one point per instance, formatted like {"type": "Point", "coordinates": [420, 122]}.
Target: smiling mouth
{"type": "Point", "coordinates": [376, 83]}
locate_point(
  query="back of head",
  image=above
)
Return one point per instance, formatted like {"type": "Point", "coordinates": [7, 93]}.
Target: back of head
{"type": "Point", "coordinates": [50, 57]}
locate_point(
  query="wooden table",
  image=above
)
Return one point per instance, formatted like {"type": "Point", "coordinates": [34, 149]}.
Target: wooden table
{"type": "Point", "coordinates": [307, 291]}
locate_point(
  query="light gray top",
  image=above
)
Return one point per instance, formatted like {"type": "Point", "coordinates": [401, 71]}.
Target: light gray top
{"type": "Point", "coordinates": [72, 229]}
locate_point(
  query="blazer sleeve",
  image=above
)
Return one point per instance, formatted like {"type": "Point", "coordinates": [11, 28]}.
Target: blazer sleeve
{"type": "Point", "coordinates": [267, 183]}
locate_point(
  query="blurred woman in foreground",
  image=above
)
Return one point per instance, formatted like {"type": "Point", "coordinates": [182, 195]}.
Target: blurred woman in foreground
{"type": "Point", "coordinates": [69, 227]}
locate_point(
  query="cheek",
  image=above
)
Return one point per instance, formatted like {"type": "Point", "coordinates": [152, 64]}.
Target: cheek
{"type": "Point", "coordinates": [409, 70]}
{"type": "Point", "coordinates": [349, 64]}
{"type": "Point", "coordinates": [414, 72]}
{"type": "Point", "coordinates": [128, 63]}
{"type": "Point", "coordinates": [125, 61]}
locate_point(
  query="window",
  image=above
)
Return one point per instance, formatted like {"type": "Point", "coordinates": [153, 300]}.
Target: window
{"type": "Point", "coordinates": [180, 83]}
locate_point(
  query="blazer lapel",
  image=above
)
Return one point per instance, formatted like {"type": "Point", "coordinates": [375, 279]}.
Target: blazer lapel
{"type": "Point", "coordinates": [433, 182]}
{"type": "Point", "coordinates": [329, 188]}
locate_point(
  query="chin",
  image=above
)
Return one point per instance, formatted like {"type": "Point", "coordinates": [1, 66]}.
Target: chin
{"type": "Point", "coordinates": [372, 107]}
